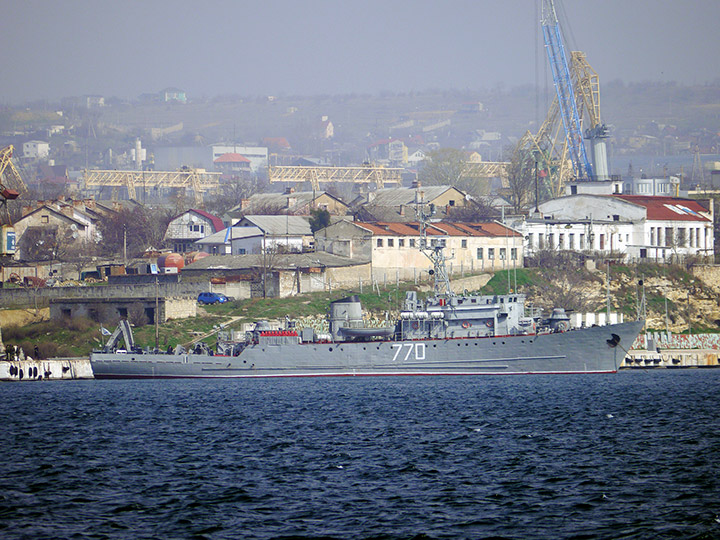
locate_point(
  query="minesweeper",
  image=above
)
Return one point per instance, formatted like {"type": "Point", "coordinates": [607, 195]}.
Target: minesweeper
{"type": "Point", "coordinates": [447, 334]}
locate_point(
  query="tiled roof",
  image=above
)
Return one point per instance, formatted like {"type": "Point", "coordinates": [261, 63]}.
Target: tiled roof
{"type": "Point", "coordinates": [232, 157]}
{"type": "Point", "coordinates": [487, 229]}
{"type": "Point", "coordinates": [668, 208]}
{"type": "Point", "coordinates": [216, 222]}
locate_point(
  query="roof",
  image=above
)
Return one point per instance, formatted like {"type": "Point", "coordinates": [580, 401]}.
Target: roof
{"type": "Point", "coordinates": [291, 261]}
{"type": "Point", "coordinates": [299, 199]}
{"type": "Point", "coordinates": [278, 225]}
{"type": "Point", "coordinates": [231, 233]}
{"type": "Point", "coordinates": [216, 222]}
{"type": "Point", "coordinates": [55, 211]}
{"type": "Point", "coordinates": [484, 229]}
{"type": "Point", "coordinates": [668, 208]}
{"type": "Point", "coordinates": [232, 157]}
{"type": "Point", "coordinates": [405, 196]}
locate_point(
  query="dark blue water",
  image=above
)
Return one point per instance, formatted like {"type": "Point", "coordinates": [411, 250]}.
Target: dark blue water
{"type": "Point", "coordinates": [633, 455]}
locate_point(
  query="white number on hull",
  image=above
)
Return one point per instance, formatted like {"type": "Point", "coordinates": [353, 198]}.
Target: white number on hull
{"type": "Point", "coordinates": [419, 349]}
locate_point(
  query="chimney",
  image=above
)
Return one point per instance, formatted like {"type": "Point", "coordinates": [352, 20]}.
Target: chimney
{"type": "Point", "coordinates": [244, 203]}
{"type": "Point", "coordinates": [289, 190]}
{"type": "Point", "coordinates": [402, 209]}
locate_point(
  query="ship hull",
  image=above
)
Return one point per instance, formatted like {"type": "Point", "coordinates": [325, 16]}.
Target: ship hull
{"type": "Point", "coordinates": [587, 350]}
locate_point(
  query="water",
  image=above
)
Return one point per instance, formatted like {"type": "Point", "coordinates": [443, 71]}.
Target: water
{"type": "Point", "coordinates": [632, 455]}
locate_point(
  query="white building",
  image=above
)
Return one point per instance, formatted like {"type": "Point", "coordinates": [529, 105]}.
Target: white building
{"type": "Point", "coordinates": [36, 150]}
{"type": "Point", "coordinates": [192, 225]}
{"type": "Point", "coordinates": [629, 226]}
{"type": "Point", "coordinates": [258, 155]}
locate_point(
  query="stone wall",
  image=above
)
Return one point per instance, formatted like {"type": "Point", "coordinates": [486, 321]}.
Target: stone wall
{"type": "Point", "coordinates": [29, 297]}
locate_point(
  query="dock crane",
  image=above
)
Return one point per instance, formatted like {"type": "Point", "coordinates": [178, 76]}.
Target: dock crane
{"type": "Point", "coordinates": [11, 186]}
{"type": "Point", "coordinates": [565, 92]}
{"type": "Point", "coordinates": [559, 161]}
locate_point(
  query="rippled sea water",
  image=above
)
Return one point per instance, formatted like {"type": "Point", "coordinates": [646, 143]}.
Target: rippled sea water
{"type": "Point", "coordinates": [631, 455]}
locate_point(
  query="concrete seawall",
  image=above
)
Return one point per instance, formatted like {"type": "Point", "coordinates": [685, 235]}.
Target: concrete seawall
{"type": "Point", "coordinates": [46, 370]}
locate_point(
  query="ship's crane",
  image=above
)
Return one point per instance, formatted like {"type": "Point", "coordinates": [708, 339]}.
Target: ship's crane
{"type": "Point", "coordinates": [11, 186]}
{"type": "Point", "coordinates": [568, 109]}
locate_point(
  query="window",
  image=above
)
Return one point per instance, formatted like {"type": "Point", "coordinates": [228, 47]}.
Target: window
{"type": "Point", "coordinates": [391, 242]}
{"type": "Point", "coordinates": [513, 254]}
{"type": "Point", "coordinates": [479, 253]}
{"type": "Point", "coordinates": [652, 236]}
{"type": "Point", "coordinates": [602, 242]}
{"type": "Point", "coordinates": [463, 244]}
{"type": "Point", "coordinates": [44, 219]}
{"type": "Point", "coordinates": [443, 242]}
{"type": "Point", "coordinates": [401, 242]}
{"type": "Point", "coordinates": [571, 241]}
{"type": "Point", "coordinates": [491, 253]}
{"type": "Point", "coordinates": [451, 202]}
{"type": "Point", "coordinates": [530, 240]}
{"type": "Point", "coordinates": [412, 242]}
{"type": "Point", "coordinates": [551, 241]}
{"type": "Point", "coordinates": [241, 251]}
{"type": "Point", "coordinates": [561, 241]}
{"type": "Point", "coordinates": [379, 242]}
{"type": "Point", "coordinates": [582, 241]}
{"type": "Point", "coordinates": [503, 254]}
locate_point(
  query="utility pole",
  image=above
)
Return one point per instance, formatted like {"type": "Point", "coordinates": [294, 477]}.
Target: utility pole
{"type": "Point", "coordinates": [157, 314]}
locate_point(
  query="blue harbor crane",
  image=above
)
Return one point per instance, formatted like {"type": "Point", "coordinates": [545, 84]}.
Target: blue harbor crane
{"type": "Point", "coordinates": [559, 65]}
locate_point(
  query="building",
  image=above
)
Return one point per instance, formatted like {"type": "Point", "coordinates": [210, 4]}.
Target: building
{"type": "Point", "coordinates": [631, 227]}
{"type": "Point", "coordinates": [232, 163]}
{"type": "Point", "coordinates": [174, 94]}
{"type": "Point", "coordinates": [296, 203]}
{"type": "Point", "coordinates": [282, 232]}
{"type": "Point", "coordinates": [233, 241]}
{"type": "Point", "coordinates": [400, 204]}
{"type": "Point", "coordinates": [36, 150]}
{"type": "Point", "coordinates": [280, 274]}
{"type": "Point", "coordinates": [257, 155]}
{"type": "Point", "coordinates": [52, 230]}
{"type": "Point", "coordinates": [192, 225]}
{"type": "Point", "coordinates": [393, 248]}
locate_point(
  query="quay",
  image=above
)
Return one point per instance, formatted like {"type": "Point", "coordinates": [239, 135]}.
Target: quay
{"type": "Point", "coordinates": [29, 369]}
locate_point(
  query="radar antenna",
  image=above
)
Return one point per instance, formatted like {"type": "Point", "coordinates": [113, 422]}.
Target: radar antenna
{"type": "Point", "coordinates": [433, 252]}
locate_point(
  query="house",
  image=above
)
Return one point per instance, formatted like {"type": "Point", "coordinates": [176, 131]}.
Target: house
{"type": "Point", "coordinates": [51, 230]}
{"type": "Point", "coordinates": [632, 227]}
{"type": "Point", "coordinates": [390, 150]}
{"type": "Point", "coordinates": [326, 130]}
{"type": "Point", "coordinates": [174, 94]}
{"type": "Point", "coordinates": [36, 150]}
{"type": "Point", "coordinates": [280, 274]}
{"type": "Point", "coordinates": [232, 163]}
{"type": "Point", "coordinates": [233, 241]}
{"type": "Point", "coordinates": [399, 204]}
{"type": "Point", "coordinates": [393, 248]}
{"type": "Point", "coordinates": [299, 203]}
{"type": "Point", "coordinates": [183, 230]}
{"type": "Point", "coordinates": [258, 155]}
{"type": "Point", "coordinates": [281, 232]}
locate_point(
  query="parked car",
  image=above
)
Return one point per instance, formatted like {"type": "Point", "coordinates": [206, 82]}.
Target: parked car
{"type": "Point", "coordinates": [212, 298]}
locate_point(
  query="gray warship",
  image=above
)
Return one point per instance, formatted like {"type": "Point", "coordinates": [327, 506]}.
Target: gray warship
{"type": "Point", "coordinates": [447, 334]}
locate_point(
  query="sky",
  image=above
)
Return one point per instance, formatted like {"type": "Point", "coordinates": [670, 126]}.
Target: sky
{"type": "Point", "coordinates": [52, 49]}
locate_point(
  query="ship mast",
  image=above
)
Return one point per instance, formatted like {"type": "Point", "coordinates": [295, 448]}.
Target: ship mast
{"type": "Point", "coordinates": [432, 252]}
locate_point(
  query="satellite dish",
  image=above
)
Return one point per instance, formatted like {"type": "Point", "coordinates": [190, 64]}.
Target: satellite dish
{"type": "Point", "coordinates": [73, 227]}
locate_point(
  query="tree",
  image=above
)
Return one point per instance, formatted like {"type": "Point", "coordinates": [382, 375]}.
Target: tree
{"type": "Point", "coordinates": [521, 179]}
{"type": "Point", "coordinates": [449, 167]}
{"type": "Point", "coordinates": [143, 228]}
{"type": "Point", "coordinates": [319, 219]}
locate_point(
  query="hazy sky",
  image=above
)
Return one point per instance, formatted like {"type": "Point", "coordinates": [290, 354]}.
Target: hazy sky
{"type": "Point", "coordinates": [52, 49]}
